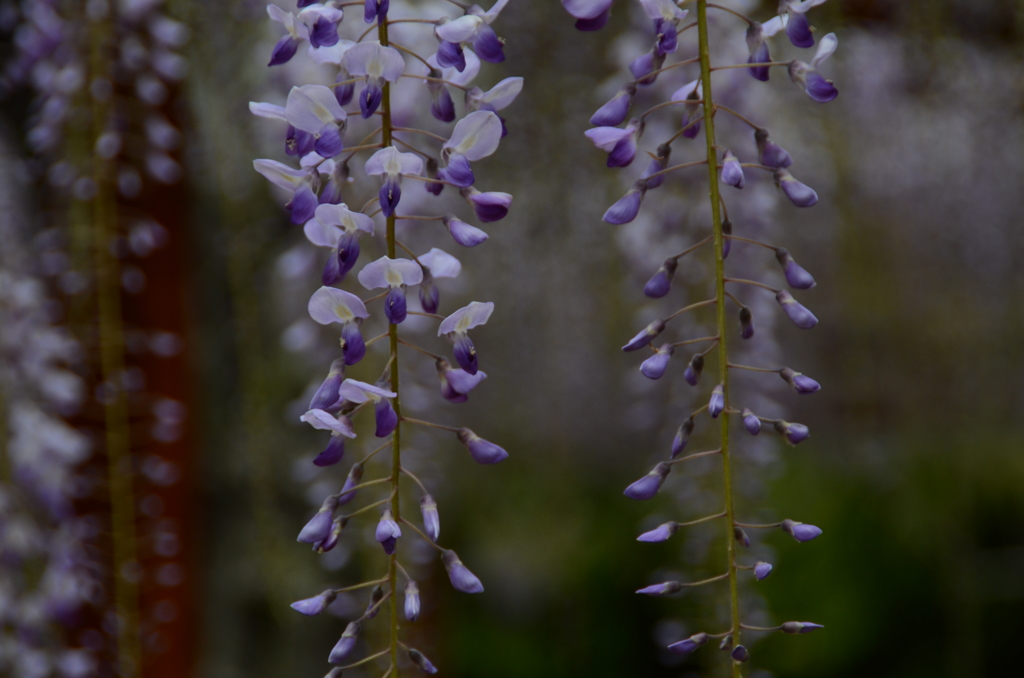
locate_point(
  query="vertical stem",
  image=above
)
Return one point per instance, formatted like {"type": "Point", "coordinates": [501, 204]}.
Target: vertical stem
{"type": "Point", "coordinates": [111, 349]}
{"type": "Point", "coordinates": [723, 352]}
{"type": "Point", "coordinates": [396, 441]}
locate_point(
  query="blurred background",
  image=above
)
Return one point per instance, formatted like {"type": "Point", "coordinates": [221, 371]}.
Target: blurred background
{"type": "Point", "coordinates": [914, 470]}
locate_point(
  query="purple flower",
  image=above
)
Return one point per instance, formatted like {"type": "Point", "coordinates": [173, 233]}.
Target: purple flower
{"type": "Point", "coordinates": [304, 201]}
{"type": "Point", "coordinates": [412, 601]}
{"type": "Point", "coordinates": [688, 645]}
{"type": "Point", "coordinates": [627, 207]}
{"type": "Point", "coordinates": [315, 605]}
{"type": "Point", "coordinates": [332, 539]}
{"type": "Point", "coordinates": [388, 532]}
{"type": "Point", "coordinates": [395, 275]}
{"type": "Point", "coordinates": [591, 15]}
{"type": "Point", "coordinates": [796, 276]}
{"type": "Point", "coordinates": [740, 536]}
{"type": "Point", "coordinates": [798, 193]}
{"type": "Point", "coordinates": [339, 228]}
{"type": "Point", "coordinates": [392, 165]}
{"type": "Point", "coordinates": [462, 579]}
{"type": "Point", "coordinates": [315, 110]}
{"type": "Point", "coordinates": [319, 526]}
{"type": "Point", "coordinates": [655, 366]}
{"type": "Point", "coordinates": [740, 654]}
{"type": "Point", "coordinates": [717, 402]}
{"type": "Point", "coordinates": [620, 144]}
{"type": "Point", "coordinates": [346, 644]}
{"type": "Point", "coordinates": [435, 264]}
{"type": "Point", "coordinates": [660, 533]}
{"type": "Point", "coordinates": [800, 382]}
{"type": "Point", "coordinates": [751, 422]}
{"type": "Point", "coordinates": [800, 531]}
{"type": "Point", "coordinates": [355, 475]}
{"type": "Point", "coordinates": [762, 570]}
{"type": "Point", "coordinates": [664, 589]}
{"type": "Point", "coordinates": [463, 233]}
{"type": "Point", "coordinates": [770, 153]}
{"type": "Point", "coordinates": [800, 627]}
{"type": "Point", "coordinates": [475, 137]}
{"type": "Point", "coordinates": [661, 282]}
{"type": "Point", "coordinates": [329, 305]}
{"type": "Point", "coordinates": [657, 165]}
{"type": "Point", "coordinates": [482, 451]}
{"type": "Point", "coordinates": [644, 65]}
{"type": "Point", "coordinates": [807, 76]}
{"type": "Point", "coordinates": [794, 433]}
{"type": "Point", "coordinates": [421, 662]}
{"type": "Point", "coordinates": [373, 605]}
{"type": "Point", "coordinates": [456, 327]}
{"type": "Point", "coordinates": [474, 27]}
{"type": "Point", "coordinates": [385, 417]}
{"type": "Point", "coordinates": [324, 421]}
{"type": "Point", "coordinates": [333, 453]}
{"type": "Point", "coordinates": [375, 10]}
{"type": "Point", "coordinates": [456, 384]}
{"type": "Point", "coordinates": [732, 173]}
{"type": "Point", "coordinates": [691, 93]}
{"type": "Point", "coordinates": [450, 55]}
{"type": "Point", "coordinates": [648, 486]}
{"type": "Point", "coordinates": [431, 519]}
{"type": "Point", "coordinates": [327, 394]}
{"type": "Point", "coordinates": [298, 142]}
{"type": "Point", "coordinates": [322, 22]}
{"type": "Point", "coordinates": [758, 52]}
{"type": "Point", "coordinates": [645, 336]}
{"type": "Point", "coordinates": [489, 206]}
{"type": "Point", "coordinates": [286, 47]}
{"type": "Point", "coordinates": [746, 323]}
{"type": "Point", "coordinates": [377, 64]}
{"type": "Point", "coordinates": [800, 316]}
{"type": "Point", "coordinates": [694, 370]}
{"type": "Point", "coordinates": [682, 437]}
{"type": "Point", "coordinates": [613, 113]}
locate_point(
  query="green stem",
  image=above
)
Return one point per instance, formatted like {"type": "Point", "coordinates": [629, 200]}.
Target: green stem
{"type": "Point", "coordinates": [396, 440]}
{"type": "Point", "coordinates": [723, 352]}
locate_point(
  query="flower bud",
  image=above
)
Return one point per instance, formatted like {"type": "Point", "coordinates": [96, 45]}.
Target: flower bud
{"type": "Point", "coordinates": [796, 276]}
{"type": "Point", "coordinates": [801, 383]}
{"type": "Point", "coordinates": [431, 519]}
{"type": "Point", "coordinates": [648, 486]}
{"type": "Point", "coordinates": [444, 369]}
{"type": "Point", "coordinates": [746, 323]}
{"type": "Point", "coordinates": [682, 436]}
{"type": "Point", "coordinates": [388, 531]}
{"type": "Point", "coordinates": [613, 113]}
{"type": "Point", "coordinates": [333, 453]}
{"type": "Point", "coordinates": [740, 654]}
{"type": "Point", "coordinates": [732, 172]}
{"type": "Point", "coordinates": [751, 422]}
{"type": "Point", "coordinates": [694, 370]}
{"type": "Point", "coordinates": [799, 194]}
{"type": "Point", "coordinates": [794, 433]}
{"type": "Point", "coordinates": [800, 627]}
{"type": "Point", "coordinates": [800, 316]}
{"type": "Point", "coordinates": [660, 283]}
{"type": "Point", "coordinates": [726, 242]}
{"type": "Point", "coordinates": [769, 153]}
{"type": "Point", "coordinates": [316, 604]}
{"type": "Point", "coordinates": [355, 475]}
{"type": "Point", "coordinates": [332, 539]}
{"type": "Point", "coordinates": [482, 451]}
{"type": "Point", "coordinates": [421, 662]}
{"type": "Point", "coordinates": [762, 570]}
{"type": "Point", "coordinates": [327, 395]}
{"type": "Point", "coordinates": [386, 418]}
{"type": "Point", "coordinates": [376, 595]}
{"type": "Point", "coordinates": [663, 589]}
{"type": "Point", "coordinates": [758, 52]}
{"type": "Point", "coordinates": [655, 366]}
{"type": "Point", "coordinates": [463, 233]}
{"type": "Point", "coordinates": [646, 336]}
{"type": "Point", "coordinates": [319, 526]}
{"type": "Point", "coordinates": [462, 579]}
{"type": "Point", "coordinates": [412, 601]}
{"type": "Point", "coordinates": [660, 533]}
{"type": "Point", "coordinates": [726, 643]}
{"type": "Point", "coordinates": [800, 531]}
{"type": "Point", "coordinates": [346, 644]}
{"type": "Point", "coordinates": [688, 645]}
{"type": "Point", "coordinates": [717, 402]}
{"type": "Point", "coordinates": [741, 536]}
{"type": "Point", "coordinates": [627, 207]}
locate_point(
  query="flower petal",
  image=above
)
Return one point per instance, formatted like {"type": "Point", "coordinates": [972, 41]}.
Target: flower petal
{"type": "Point", "coordinates": [476, 136]}
{"type": "Point", "coordinates": [440, 263]}
{"type": "Point", "coordinates": [387, 272]}
{"type": "Point", "coordinates": [341, 215]}
{"type": "Point", "coordinates": [466, 318]}
{"type": "Point", "coordinates": [331, 305]}
{"type": "Point", "coordinates": [310, 107]}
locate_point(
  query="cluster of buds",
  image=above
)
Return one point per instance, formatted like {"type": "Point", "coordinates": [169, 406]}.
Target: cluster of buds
{"type": "Point", "coordinates": [383, 69]}
{"type": "Point", "coordinates": [619, 135]}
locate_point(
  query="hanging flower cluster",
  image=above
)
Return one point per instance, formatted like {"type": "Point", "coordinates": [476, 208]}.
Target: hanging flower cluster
{"type": "Point", "coordinates": [359, 146]}
{"type": "Point", "coordinates": [619, 135]}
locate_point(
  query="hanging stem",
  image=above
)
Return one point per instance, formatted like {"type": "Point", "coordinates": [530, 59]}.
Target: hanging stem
{"type": "Point", "coordinates": [396, 439]}
{"type": "Point", "coordinates": [723, 352]}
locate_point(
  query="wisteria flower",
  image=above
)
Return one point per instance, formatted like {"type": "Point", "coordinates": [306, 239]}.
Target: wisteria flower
{"type": "Point", "coordinates": [648, 486]}
{"type": "Point", "coordinates": [489, 205]}
{"type": "Point", "coordinates": [456, 384]}
{"type": "Point", "coordinates": [431, 519]}
{"type": "Point", "coordinates": [473, 28]}
{"type": "Point", "coordinates": [388, 532]}
{"type": "Point", "coordinates": [360, 392]}
{"type": "Point", "coordinates": [391, 164]}
{"type": "Point", "coordinates": [464, 234]}
{"type": "Point", "coordinates": [796, 311]}
{"type": "Point", "coordinates": [304, 201]}
{"type": "Point", "coordinates": [801, 531]}
{"type": "Point", "coordinates": [339, 228]}
{"type": "Point", "coordinates": [482, 451]}
{"type": "Point", "coordinates": [377, 64]}
{"type": "Point", "coordinates": [324, 421]}
{"type": "Point", "coordinates": [614, 112]}
{"type": "Point", "coordinates": [732, 172]}
{"type": "Point", "coordinates": [799, 194]}
{"type": "Point", "coordinates": [475, 137]}
{"type": "Point", "coordinates": [660, 533]}
{"type": "Point", "coordinates": [329, 305]}
{"type": "Point", "coordinates": [462, 579]}
{"type": "Point", "coordinates": [395, 275]}
{"type": "Point", "coordinates": [436, 264]}
{"type": "Point", "coordinates": [627, 207]}
{"type": "Point", "coordinates": [770, 153]}
{"type": "Point", "coordinates": [807, 76]}
{"type": "Point", "coordinates": [456, 327]}
{"type": "Point", "coordinates": [286, 47]}
{"type": "Point", "coordinates": [326, 396]}
{"type": "Point", "coordinates": [496, 98]}
{"type": "Point", "coordinates": [322, 23]}
{"type": "Point", "coordinates": [335, 55]}
{"type": "Point", "coordinates": [620, 144]}
{"type": "Point", "coordinates": [453, 73]}
{"type": "Point", "coordinates": [666, 15]}
{"type": "Point", "coordinates": [375, 10]}
{"type": "Point", "coordinates": [591, 15]}
{"type": "Point", "coordinates": [412, 601]}
{"type": "Point", "coordinates": [314, 109]}
{"type": "Point", "coordinates": [691, 93]}
{"type": "Point", "coordinates": [316, 604]}
{"type": "Point", "coordinates": [421, 662]}
{"type": "Point", "coordinates": [346, 644]}
{"type": "Point", "coordinates": [688, 645]}
{"type": "Point", "coordinates": [796, 276]}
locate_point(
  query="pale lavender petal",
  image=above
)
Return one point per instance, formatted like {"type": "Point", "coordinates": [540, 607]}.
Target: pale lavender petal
{"type": "Point", "coordinates": [476, 313]}
{"type": "Point", "coordinates": [387, 272]}
{"type": "Point", "coordinates": [331, 305]}
{"type": "Point", "coordinates": [476, 136]}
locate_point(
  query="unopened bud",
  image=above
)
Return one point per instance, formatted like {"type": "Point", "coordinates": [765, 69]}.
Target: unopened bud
{"type": "Point", "coordinates": [762, 570]}
{"type": "Point", "coordinates": [741, 536]}
{"type": "Point", "coordinates": [645, 336]}
{"type": "Point", "coordinates": [740, 654]}
{"type": "Point", "coordinates": [800, 627]}
{"type": "Point", "coordinates": [801, 383]}
{"type": "Point", "coordinates": [661, 282]}
{"type": "Point", "coordinates": [694, 370]}
{"type": "Point", "coordinates": [751, 422]}
{"type": "Point", "coordinates": [796, 276]}
{"type": "Point", "coordinates": [793, 433]}
{"type": "Point", "coordinates": [421, 662]}
{"type": "Point", "coordinates": [648, 486]}
{"type": "Point", "coordinates": [746, 323]}
{"type": "Point", "coordinates": [688, 645]}
{"type": "Point", "coordinates": [800, 531]}
{"type": "Point", "coordinates": [682, 436]}
{"type": "Point", "coordinates": [717, 403]}
{"type": "Point", "coordinates": [662, 589]}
